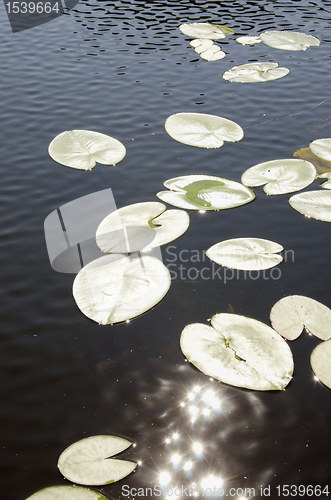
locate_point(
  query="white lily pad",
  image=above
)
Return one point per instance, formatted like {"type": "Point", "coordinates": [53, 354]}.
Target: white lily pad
{"type": "Point", "coordinates": [87, 461]}
{"type": "Point", "coordinates": [239, 351]}
{"type": "Point", "coordinates": [326, 184]}
{"type": "Point", "coordinates": [255, 72]}
{"type": "Point", "coordinates": [280, 176]}
{"type": "Point", "coordinates": [66, 493]}
{"type": "Point", "coordinates": [315, 204]}
{"type": "Point", "coordinates": [246, 253]}
{"type": "Point", "coordinates": [139, 226]}
{"type": "Point", "coordinates": [201, 44]}
{"type": "Point", "coordinates": [81, 149]}
{"type": "Point", "coordinates": [290, 315]}
{"type": "Point", "coordinates": [321, 148]}
{"type": "Point", "coordinates": [114, 288]}
{"type": "Point", "coordinates": [213, 54]}
{"type": "Point", "coordinates": [205, 192]}
{"type": "Point", "coordinates": [289, 40]}
{"type": "Point", "coordinates": [201, 130]}
{"type": "Point", "coordinates": [203, 30]}
{"type": "Point", "coordinates": [320, 361]}
{"type": "Point", "coordinates": [248, 40]}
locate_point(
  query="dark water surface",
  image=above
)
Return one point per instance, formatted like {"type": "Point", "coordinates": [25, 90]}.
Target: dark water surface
{"type": "Point", "coordinates": [122, 68]}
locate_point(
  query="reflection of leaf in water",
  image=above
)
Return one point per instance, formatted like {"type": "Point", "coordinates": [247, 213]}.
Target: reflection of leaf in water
{"type": "Point", "coordinates": [321, 166]}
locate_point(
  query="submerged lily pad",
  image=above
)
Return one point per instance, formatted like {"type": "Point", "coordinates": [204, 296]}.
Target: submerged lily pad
{"type": "Point", "coordinates": [201, 130]}
{"type": "Point", "coordinates": [321, 166]}
{"type": "Point", "coordinates": [66, 493]}
{"type": "Point", "coordinates": [289, 40]}
{"type": "Point", "coordinates": [280, 176]}
{"type": "Point", "coordinates": [290, 315]}
{"type": "Point", "coordinates": [114, 288]}
{"type": "Point", "coordinates": [81, 149]}
{"type": "Point", "coordinates": [248, 40]}
{"type": "Point", "coordinates": [210, 193]}
{"type": "Point", "coordinates": [139, 226]}
{"type": "Point", "coordinates": [315, 204]}
{"type": "Point", "coordinates": [246, 253]}
{"type": "Point", "coordinates": [321, 148]}
{"type": "Point", "coordinates": [87, 461]}
{"type": "Point", "coordinates": [203, 30]}
{"type": "Point", "coordinates": [255, 72]}
{"type": "Point", "coordinates": [320, 361]}
{"type": "Point", "coordinates": [239, 351]}
{"type": "Point", "coordinates": [326, 184]}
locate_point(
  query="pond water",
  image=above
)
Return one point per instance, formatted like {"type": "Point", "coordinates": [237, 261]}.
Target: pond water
{"type": "Point", "coordinates": [121, 68]}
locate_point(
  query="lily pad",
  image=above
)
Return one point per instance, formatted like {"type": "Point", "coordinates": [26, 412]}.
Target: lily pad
{"type": "Point", "coordinates": [218, 194]}
{"type": "Point", "coordinates": [326, 184]}
{"type": "Point", "coordinates": [290, 315]}
{"type": "Point", "coordinates": [207, 49]}
{"type": "Point", "coordinates": [255, 72]}
{"type": "Point", "coordinates": [321, 148]}
{"type": "Point", "coordinates": [315, 204]}
{"type": "Point", "coordinates": [203, 30]}
{"type": "Point", "coordinates": [246, 253]}
{"type": "Point", "coordinates": [87, 461]}
{"type": "Point", "coordinates": [248, 40]}
{"type": "Point", "coordinates": [66, 493]}
{"type": "Point", "coordinates": [289, 40]}
{"type": "Point", "coordinates": [320, 361]}
{"type": "Point", "coordinates": [139, 226]}
{"type": "Point", "coordinates": [280, 176]}
{"type": "Point", "coordinates": [81, 149]}
{"type": "Point", "coordinates": [201, 130]}
{"type": "Point", "coordinates": [322, 166]}
{"type": "Point", "coordinates": [239, 351]}
{"type": "Point", "coordinates": [114, 288]}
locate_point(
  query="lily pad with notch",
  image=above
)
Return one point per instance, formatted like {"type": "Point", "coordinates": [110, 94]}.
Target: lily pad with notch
{"type": "Point", "coordinates": [246, 253]}
{"type": "Point", "coordinates": [202, 130]}
{"type": "Point", "coordinates": [239, 351]}
{"type": "Point", "coordinates": [255, 72]}
{"type": "Point", "coordinates": [88, 461]}
{"type": "Point", "coordinates": [205, 192]}
{"type": "Point", "coordinates": [116, 288]}
{"type": "Point", "coordinates": [291, 314]}
{"type": "Point", "coordinates": [313, 204]}
{"type": "Point", "coordinates": [140, 226]}
{"type": "Point", "coordinates": [280, 176]}
{"type": "Point", "coordinates": [81, 149]}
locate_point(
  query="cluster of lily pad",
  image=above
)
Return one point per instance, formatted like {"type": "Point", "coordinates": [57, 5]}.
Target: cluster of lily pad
{"type": "Point", "coordinates": [205, 33]}
{"type": "Point", "coordinates": [88, 462]}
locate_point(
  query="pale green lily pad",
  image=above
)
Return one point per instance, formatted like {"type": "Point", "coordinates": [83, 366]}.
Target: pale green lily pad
{"type": "Point", "coordinates": [290, 315]}
{"type": "Point", "coordinates": [114, 288]}
{"type": "Point", "coordinates": [246, 253]}
{"type": "Point", "coordinates": [280, 176]}
{"type": "Point", "coordinates": [320, 361]}
{"type": "Point", "coordinates": [87, 461]}
{"type": "Point", "coordinates": [81, 149]}
{"type": "Point", "coordinates": [203, 30]}
{"type": "Point", "coordinates": [221, 194]}
{"type": "Point", "coordinates": [201, 44]}
{"type": "Point", "coordinates": [315, 204]}
{"type": "Point", "coordinates": [140, 226]}
{"type": "Point", "coordinates": [214, 53]}
{"type": "Point", "coordinates": [326, 184]}
{"type": "Point", "coordinates": [289, 40]}
{"type": "Point", "coordinates": [239, 351]}
{"type": "Point", "coordinates": [66, 493]}
{"type": "Point", "coordinates": [255, 72]}
{"type": "Point", "coordinates": [201, 130]}
{"type": "Point", "coordinates": [248, 40]}
{"type": "Point", "coordinates": [321, 148]}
